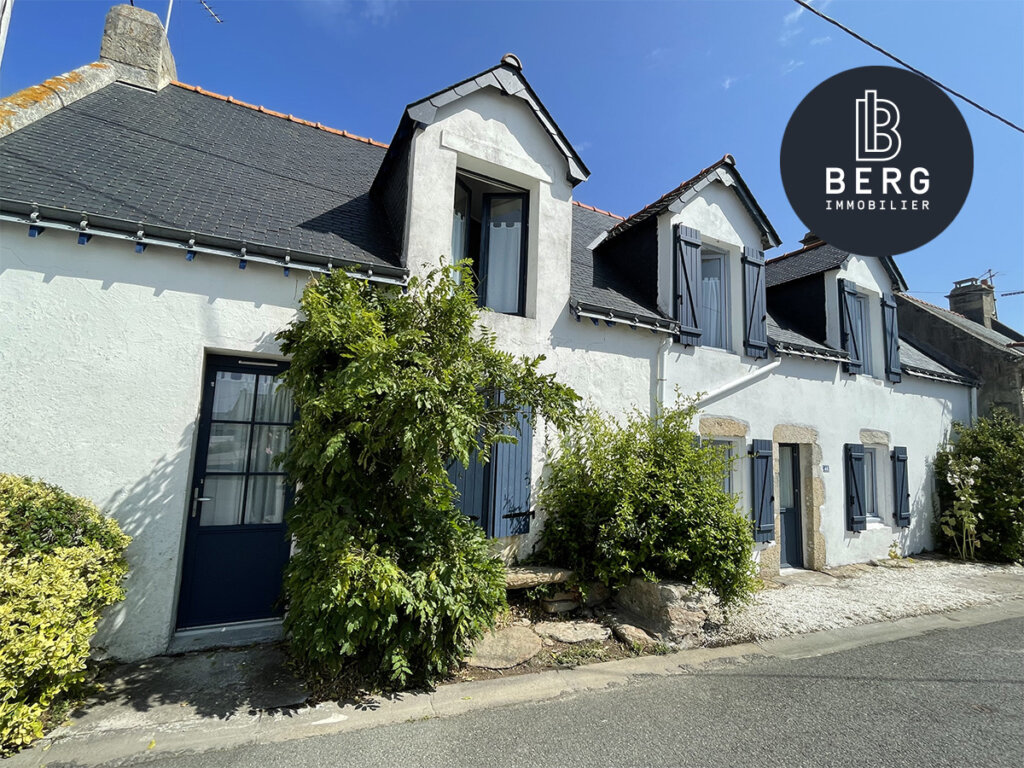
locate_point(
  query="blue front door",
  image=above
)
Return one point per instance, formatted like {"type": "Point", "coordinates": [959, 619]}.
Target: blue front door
{"type": "Point", "coordinates": [236, 544]}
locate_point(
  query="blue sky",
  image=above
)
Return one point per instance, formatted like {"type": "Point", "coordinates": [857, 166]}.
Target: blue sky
{"type": "Point", "coordinates": [648, 92]}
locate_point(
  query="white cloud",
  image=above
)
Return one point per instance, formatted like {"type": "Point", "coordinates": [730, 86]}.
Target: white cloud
{"type": "Point", "coordinates": [821, 40]}
{"type": "Point", "coordinates": [728, 82]}
{"type": "Point", "coordinates": [791, 65]}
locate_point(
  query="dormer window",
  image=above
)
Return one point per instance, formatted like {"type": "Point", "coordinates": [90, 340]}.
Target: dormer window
{"type": "Point", "coordinates": [489, 229]}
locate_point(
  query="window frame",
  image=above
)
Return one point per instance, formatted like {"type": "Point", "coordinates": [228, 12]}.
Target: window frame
{"type": "Point", "coordinates": [499, 189]}
{"type": "Point", "coordinates": [872, 512]}
{"type": "Point", "coordinates": [710, 253]}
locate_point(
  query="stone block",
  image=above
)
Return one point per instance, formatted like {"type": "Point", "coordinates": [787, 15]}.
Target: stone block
{"type": "Point", "coordinates": [505, 648]}
{"type": "Point", "coordinates": [674, 612]}
{"type": "Point", "coordinates": [524, 577]}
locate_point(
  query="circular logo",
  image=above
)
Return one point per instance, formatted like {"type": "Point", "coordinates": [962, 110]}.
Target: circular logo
{"type": "Point", "coordinates": [877, 161]}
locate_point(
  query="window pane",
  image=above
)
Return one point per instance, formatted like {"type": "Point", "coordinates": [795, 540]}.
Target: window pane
{"type": "Point", "coordinates": [460, 224]}
{"type": "Point", "coordinates": [232, 395]}
{"type": "Point", "coordinates": [267, 443]}
{"type": "Point", "coordinates": [274, 401]}
{"type": "Point", "coordinates": [712, 302]}
{"type": "Point", "coordinates": [726, 448]}
{"type": "Point", "coordinates": [504, 254]}
{"type": "Point", "coordinates": [227, 448]}
{"type": "Point", "coordinates": [787, 497]}
{"type": "Point", "coordinates": [870, 492]}
{"type": "Point", "coordinates": [265, 504]}
{"type": "Point", "coordinates": [225, 505]}
{"type": "Point", "coordinates": [862, 327]}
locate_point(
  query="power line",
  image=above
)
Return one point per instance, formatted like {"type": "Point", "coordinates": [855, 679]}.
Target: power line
{"type": "Point", "coordinates": [902, 63]}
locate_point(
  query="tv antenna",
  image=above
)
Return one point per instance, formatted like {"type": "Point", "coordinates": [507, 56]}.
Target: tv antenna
{"type": "Point", "coordinates": [170, 6]}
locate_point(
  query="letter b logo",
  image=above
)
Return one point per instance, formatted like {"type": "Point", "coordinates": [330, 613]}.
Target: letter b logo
{"type": "Point", "coordinates": [877, 137]}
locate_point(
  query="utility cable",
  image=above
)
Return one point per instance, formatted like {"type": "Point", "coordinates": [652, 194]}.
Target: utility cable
{"type": "Point", "coordinates": [904, 64]}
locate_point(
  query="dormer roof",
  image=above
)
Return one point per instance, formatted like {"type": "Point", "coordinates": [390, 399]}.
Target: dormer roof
{"type": "Point", "coordinates": [724, 171]}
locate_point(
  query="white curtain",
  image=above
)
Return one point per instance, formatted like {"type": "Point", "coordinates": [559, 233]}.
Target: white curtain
{"type": "Point", "coordinates": [503, 255]}
{"type": "Point", "coordinates": [712, 302]}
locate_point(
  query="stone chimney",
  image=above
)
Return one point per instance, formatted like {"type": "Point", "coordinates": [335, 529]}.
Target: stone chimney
{"type": "Point", "coordinates": [974, 299]}
{"type": "Point", "coordinates": [134, 39]}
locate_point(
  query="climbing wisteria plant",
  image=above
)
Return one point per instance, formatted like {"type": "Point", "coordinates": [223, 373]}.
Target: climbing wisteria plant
{"type": "Point", "coordinates": [390, 584]}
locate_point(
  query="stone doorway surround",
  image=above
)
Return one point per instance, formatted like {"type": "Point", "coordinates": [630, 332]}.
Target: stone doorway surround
{"type": "Point", "coordinates": [812, 498]}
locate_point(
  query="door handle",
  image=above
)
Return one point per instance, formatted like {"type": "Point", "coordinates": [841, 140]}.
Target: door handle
{"type": "Point", "coordinates": [196, 498]}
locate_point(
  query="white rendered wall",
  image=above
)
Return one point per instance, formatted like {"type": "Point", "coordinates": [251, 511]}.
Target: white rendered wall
{"type": "Point", "coordinates": [101, 359]}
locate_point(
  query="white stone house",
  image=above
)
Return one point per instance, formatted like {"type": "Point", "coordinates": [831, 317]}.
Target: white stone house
{"type": "Point", "coordinates": [154, 238]}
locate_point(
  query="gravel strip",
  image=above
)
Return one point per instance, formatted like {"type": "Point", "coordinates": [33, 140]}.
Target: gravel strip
{"type": "Point", "coordinates": [875, 594]}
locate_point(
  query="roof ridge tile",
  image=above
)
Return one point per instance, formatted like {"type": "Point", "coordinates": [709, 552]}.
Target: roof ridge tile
{"type": "Point", "coordinates": [598, 210]}
{"type": "Point", "coordinates": [282, 115]}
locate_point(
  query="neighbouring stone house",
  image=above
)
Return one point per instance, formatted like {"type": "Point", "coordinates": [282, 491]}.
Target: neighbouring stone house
{"type": "Point", "coordinates": [154, 237]}
{"type": "Point", "coordinates": [969, 336]}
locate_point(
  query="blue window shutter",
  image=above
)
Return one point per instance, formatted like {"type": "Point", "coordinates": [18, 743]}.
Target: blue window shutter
{"type": "Point", "coordinates": [512, 464]}
{"type": "Point", "coordinates": [856, 518]}
{"type": "Point", "coordinates": [687, 284]}
{"type": "Point", "coordinates": [847, 337]}
{"type": "Point", "coordinates": [764, 490]}
{"type": "Point", "coordinates": [890, 328]}
{"type": "Point", "coordinates": [900, 487]}
{"type": "Point", "coordinates": [755, 316]}
{"type": "Point", "coordinates": [470, 488]}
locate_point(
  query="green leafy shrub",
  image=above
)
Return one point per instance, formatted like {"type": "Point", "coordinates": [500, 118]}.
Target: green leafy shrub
{"type": "Point", "coordinates": [61, 563]}
{"type": "Point", "coordinates": [645, 498]}
{"type": "Point", "coordinates": [988, 492]}
{"type": "Point", "coordinates": [390, 584]}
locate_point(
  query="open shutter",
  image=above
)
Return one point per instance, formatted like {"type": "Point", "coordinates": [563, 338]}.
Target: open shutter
{"type": "Point", "coordinates": [900, 488]}
{"type": "Point", "coordinates": [890, 328]}
{"type": "Point", "coordinates": [764, 490]}
{"type": "Point", "coordinates": [755, 334]}
{"type": "Point", "coordinates": [856, 518]}
{"type": "Point", "coordinates": [687, 284]}
{"type": "Point", "coordinates": [511, 493]}
{"type": "Point", "coordinates": [470, 488]}
{"type": "Point", "coordinates": [847, 333]}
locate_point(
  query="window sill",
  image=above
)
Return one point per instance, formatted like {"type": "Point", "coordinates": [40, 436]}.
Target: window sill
{"type": "Point", "coordinates": [877, 524]}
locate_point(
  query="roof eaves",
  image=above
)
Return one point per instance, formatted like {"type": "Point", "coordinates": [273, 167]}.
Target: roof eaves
{"type": "Point", "coordinates": [34, 214]}
{"type": "Point", "coordinates": [597, 313]}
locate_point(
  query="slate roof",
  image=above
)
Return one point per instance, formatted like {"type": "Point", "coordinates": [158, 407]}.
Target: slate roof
{"type": "Point", "coordinates": [784, 339]}
{"type": "Point", "coordinates": [813, 259]}
{"type": "Point", "coordinates": [596, 282]}
{"type": "Point", "coordinates": [989, 335]}
{"type": "Point", "coordinates": [183, 159]}
{"type": "Point", "coordinates": [913, 360]}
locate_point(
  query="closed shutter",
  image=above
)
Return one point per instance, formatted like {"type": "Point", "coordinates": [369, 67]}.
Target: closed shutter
{"type": "Point", "coordinates": [856, 518]}
{"type": "Point", "coordinates": [900, 488]}
{"type": "Point", "coordinates": [755, 334]}
{"type": "Point", "coordinates": [512, 482]}
{"type": "Point", "coordinates": [848, 337]}
{"type": "Point", "coordinates": [764, 490]}
{"type": "Point", "coordinates": [687, 284]}
{"type": "Point", "coordinates": [890, 328]}
{"type": "Point", "coordinates": [470, 488]}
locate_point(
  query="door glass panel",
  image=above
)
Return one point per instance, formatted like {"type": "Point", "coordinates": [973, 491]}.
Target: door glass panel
{"type": "Point", "coordinates": [265, 504]}
{"type": "Point", "coordinates": [504, 254]}
{"type": "Point", "coordinates": [227, 448]}
{"type": "Point", "coordinates": [225, 505]}
{"type": "Point", "coordinates": [232, 396]}
{"type": "Point", "coordinates": [787, 498]}
{"type": "Point", "coordinates": [268, 442]}
{"type": "Point", "coordinates": [274, 401]}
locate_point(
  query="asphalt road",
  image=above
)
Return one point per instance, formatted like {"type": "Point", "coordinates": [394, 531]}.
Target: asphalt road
{"type": "Point", "coordinates": [948, 698]}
